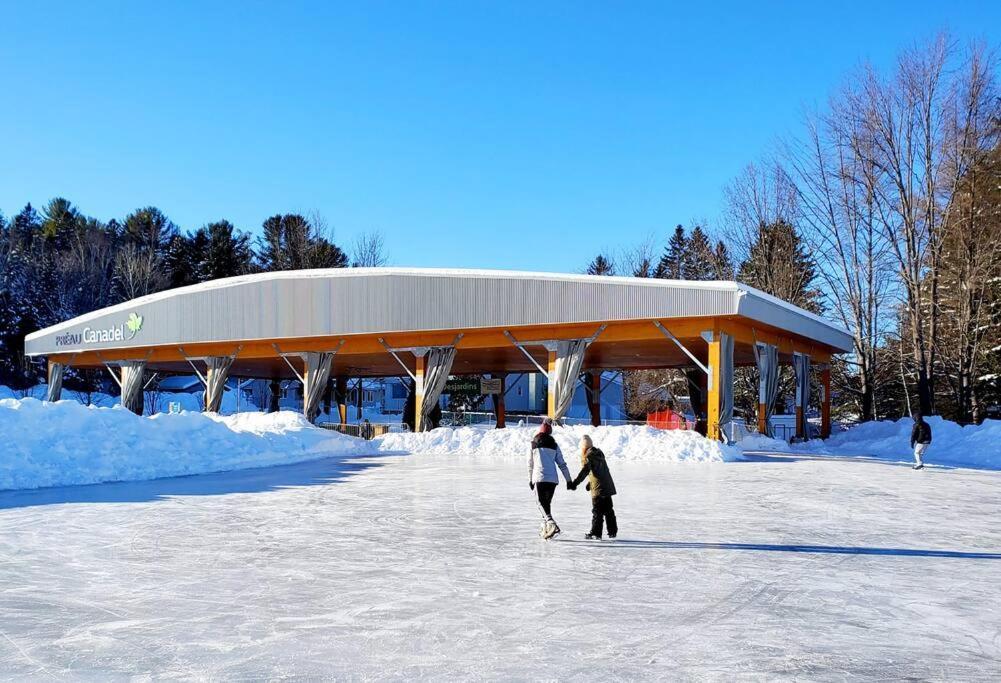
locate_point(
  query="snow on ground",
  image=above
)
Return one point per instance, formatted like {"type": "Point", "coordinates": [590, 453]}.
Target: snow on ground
{"type": "Point", "coordinates": [952, 444]}
{"type": "Point", "coordinates": [401, 567]}
{"type": "Point", "coordinates": [193, 401]}
{"type": "Point", "coordinates": [54, 444]}
{"type": "Point", "coordinates": [618, 443]}
{"type": "Point", "coordinates": [62, 443]}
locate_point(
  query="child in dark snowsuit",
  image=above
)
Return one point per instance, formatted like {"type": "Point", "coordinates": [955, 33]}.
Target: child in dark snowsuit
{"type": "Point", "coordinates": [601, 486]}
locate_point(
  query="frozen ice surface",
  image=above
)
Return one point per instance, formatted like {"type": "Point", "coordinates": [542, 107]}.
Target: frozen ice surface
{"type": "Point", "coordinates": [400, 567]}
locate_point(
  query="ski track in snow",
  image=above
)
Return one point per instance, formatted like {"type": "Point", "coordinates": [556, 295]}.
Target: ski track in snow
{"type": "Point", "coordinates": [401, 567]}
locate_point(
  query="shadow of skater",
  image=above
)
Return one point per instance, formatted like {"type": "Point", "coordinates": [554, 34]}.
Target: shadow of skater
{"type": "Point", "coordinates": [819, 549]}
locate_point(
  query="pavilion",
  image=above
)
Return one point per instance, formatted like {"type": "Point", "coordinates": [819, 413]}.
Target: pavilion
{"type": "Point", "coordinates": [317, 325]}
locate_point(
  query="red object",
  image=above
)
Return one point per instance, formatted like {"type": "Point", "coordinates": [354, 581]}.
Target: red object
{"type": "Point", "coordinates": [666, 419]}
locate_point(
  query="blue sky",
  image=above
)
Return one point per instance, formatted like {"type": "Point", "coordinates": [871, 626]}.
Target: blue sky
{"type": "Point", "coordinates": [471, 134]}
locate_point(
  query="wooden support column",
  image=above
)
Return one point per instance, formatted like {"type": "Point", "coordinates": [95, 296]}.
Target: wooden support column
{"type": "Point", "coordinates": [341, 394]}
{"type": "Point", "coordinates": [419, 392]}
{"type": "Point", "coordinates": [593, 379]}
{"type": "Point", "coordinates": [714, 397]}
{"type": "Point", "coordinates": [359, 399]}
{"type": "Point", "coordinates": [550, 385]}
{"type": "Point", "coordinates": [825, 404]}
{"type": "Point", "coordinates": [499, 408]}
{"type": "Point", "coordinates": [274, 396]}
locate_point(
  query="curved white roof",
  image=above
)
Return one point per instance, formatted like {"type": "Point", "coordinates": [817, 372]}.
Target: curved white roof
{"type": "Point", "coordinates": [329, 302]}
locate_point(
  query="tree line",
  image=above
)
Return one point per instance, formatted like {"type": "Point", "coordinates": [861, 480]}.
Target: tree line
{"type": "Point", "coordinates": [57, 263]}
{"type": "Point", "coordinates": [885, 214]}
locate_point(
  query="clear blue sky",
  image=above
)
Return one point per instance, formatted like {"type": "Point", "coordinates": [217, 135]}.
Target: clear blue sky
{"type": "Point", "coordinates": [472, 134]}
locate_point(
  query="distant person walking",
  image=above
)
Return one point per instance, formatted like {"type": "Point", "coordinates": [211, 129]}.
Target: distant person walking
{"type": "Point", "coordinates": [601, 486]}
{"type": "Point", "coordinates": [920, 440]}
{"type": "Point", "coordinates": [544, 457]}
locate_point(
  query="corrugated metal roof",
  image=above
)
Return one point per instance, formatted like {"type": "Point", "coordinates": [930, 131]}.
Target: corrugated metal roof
{"type": "Point", "coordinates": [290, 304]}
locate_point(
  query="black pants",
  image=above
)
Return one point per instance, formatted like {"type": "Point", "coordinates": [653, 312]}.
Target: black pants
{"type": "Point", "coordinates": [601, 511]}
{"type": "Point", "coordinates": [545, 491]}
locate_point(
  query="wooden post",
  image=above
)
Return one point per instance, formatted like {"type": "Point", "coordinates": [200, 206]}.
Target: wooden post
{"type": "Point", "coordinates": [550, 388]}
{"type": "Point", "coordinates": [499, 408]}
{"type": "Point", "coordinates": [341, 394]}
{"type": "Point", "coordinates": [419, 392]}
{"type": "Point", "coordinates": [825, 405]}
{"type": "Point", "coordinates": [714, 396]}
{"type": "Point", "coordinates": [359, 399]}
{"type": "Point", "coordinates": [593, 380]}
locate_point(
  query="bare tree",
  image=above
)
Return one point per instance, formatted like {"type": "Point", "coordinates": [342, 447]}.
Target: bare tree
{"type": "Point", "coordinates": [138, 271]}
{"type": "Point", "coordinates": [763, 194]}
{"type": "Point", "coordinates": [922, 130]}
{"type": "Point", "coordinates": [639, 260]}
{"type": "Point", "coordinates": [369, 250]}
{"type": "Point", "coordinates": [833, 176]}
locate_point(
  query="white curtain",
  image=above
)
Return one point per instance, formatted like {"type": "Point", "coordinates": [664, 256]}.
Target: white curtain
{"type": "Point", "coordinates": [317, 372]}
{"type": "Point", "coordinates": [437, 367]}
{"type": "Point", "coordinates": [569, 359]}
{"type": "Point", "coordinates": [801, 365]}
{"type": "Point", "coordinates": [767, 357]}
{"type": "Point", "coordinates": [726, 385]}
{"type": "Point", "coordinates": [132, 384]}
{"type": "Point", "coordinates": [216, 373]}
{"type": "Point", "coordinates": [55, 388]}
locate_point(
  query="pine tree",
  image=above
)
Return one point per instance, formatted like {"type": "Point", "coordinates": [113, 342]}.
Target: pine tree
{"type": "Point", "coordinates": [149, 228]}
{"type": "Point", "coordinates": [722, 263]}
{"type": "Point", "coordinates": [699, 260]}
{"type": "Point", "coordinates": [779, 264]}
{"type": "Point", "coordinates": [59, 220]}
{"type": "Point", "coordinates": [600, 266]}
{"type": "Point", "coordinates": [290, 242]}
{"type": "Point", "coordinates": [672, 263]}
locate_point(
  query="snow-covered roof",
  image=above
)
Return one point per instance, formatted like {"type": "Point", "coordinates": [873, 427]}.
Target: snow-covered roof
{"type": "Point", "coordinates": [328, 302]}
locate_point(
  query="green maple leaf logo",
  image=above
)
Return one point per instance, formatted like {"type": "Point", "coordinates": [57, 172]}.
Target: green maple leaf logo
{"type": "Point", "coordinates": [134, 323]}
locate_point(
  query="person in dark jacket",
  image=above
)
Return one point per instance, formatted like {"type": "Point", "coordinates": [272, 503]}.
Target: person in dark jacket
{"type": "Point", "coordinates": [601, 486]}
{"type": "Point", "coordinates": [544, 457]}
{"type": "Point", "coordinates": [920, 440]}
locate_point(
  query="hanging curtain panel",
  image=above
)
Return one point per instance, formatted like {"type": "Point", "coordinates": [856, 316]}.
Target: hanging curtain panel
{"type": "Point", "coordinates": [55, 388]}
{"type": "Point", "coordinates": [726, 386]}
{"type": "Point", "coordinates": [767, 357]}
{"type": "Point", "coordinates": [437, 367]}
{"type": "Point", "coordinates": [801, 366]}
{"type": "Point", "coordinates": [216, 374]}
{"type": "Point", "coordinates": [132, 384]}
{"type": "Point", "coordinates": [316, 374]}
{"type": "Point", "coordinates": [569, 359]}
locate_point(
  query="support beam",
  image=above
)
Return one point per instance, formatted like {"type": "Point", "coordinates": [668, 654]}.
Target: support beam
{"type": "Point", "coordinates": [714, 399]}
{"type": "Point", "coordinates": [274, 396]}
{"type": "Point", "coordinates": [359, 399]}
{"type": "Point", "coordinates": [341, 395]}
{"type": "Point", "coordinates": [418, 392]}
{"type": "Point", "coordinates": [550, 386]}
{"type": "Point", "coordinates": [825, 402]}
{"type": "Point", "coordinates": [132, 384]}
{"type": "Point", "coordinates": [216, 374]}
{"type": "Point", "coordinates": [801, 366]}
{"type": "Point", "coordinates": [592, 380]}
{"type": "Point", "coordinates": [499, 407]}
{"type": "Point", "coordinates": [55, 382]}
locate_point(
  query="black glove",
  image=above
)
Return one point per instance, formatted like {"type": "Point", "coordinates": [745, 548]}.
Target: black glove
{"type": "Point", "coordinates": [588, 487]}
{"type": "Point", "coordinates": [531, 485]}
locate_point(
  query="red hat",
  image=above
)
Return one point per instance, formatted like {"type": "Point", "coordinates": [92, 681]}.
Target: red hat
{"type": "Point", "coordinates": [546, 427]}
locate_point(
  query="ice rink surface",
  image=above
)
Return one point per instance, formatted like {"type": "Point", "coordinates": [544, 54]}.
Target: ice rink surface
{"type": "Point", "coordinates": [401, 567]}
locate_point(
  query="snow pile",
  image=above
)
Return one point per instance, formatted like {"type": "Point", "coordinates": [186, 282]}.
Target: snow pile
{"type": "Point", "coordinates": [952, 444]}
{"type": "Point", "coordinates": [56, 444]}
{"type": "Point", "coordinates": [619, 442]}
{"type": "Point", "coordinates": [187, 401]}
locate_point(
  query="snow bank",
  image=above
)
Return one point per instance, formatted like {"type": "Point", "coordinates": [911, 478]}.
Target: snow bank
{"type": "Point", "coordinates": [188, 401]}
{"type": "Point", "coordinates": [620, 442]}
{"type": "Point", "coordinates": [952, 444]}
{"type": "Point", "coordinates": [56, 444]}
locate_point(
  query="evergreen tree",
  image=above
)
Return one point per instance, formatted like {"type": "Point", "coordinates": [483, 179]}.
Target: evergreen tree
{"type": "Point", "coordinates": [227, 253]}
{"type": "Point", "coordinates": [149, 228]}
{"type": "Point", "coordinates": [672, 263]}
{"type": "Point", "coordinates": [290, 242]}
{"type": "Point", "coordinates": [59, 220]}
{"type": "Point", "coordinates": [722, 263]}
{"type": "Point", "coordinates": [600, 266]}
{"type": "Point", "coordinates": [699, 260]}
{"type": "Point", "coordinates": [779, 264]}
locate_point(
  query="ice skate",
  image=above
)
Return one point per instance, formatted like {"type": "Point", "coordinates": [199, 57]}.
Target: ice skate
{"type": "Point", "coordinates": [551, 530]}
{"type": "Point", "coordinates": [592, 537]}
{"type": "Point", "coordinates": [918, 467]}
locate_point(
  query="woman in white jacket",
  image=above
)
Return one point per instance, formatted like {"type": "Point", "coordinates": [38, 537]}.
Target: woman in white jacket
{"type": "Point", "coordinates": [544, 457]}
